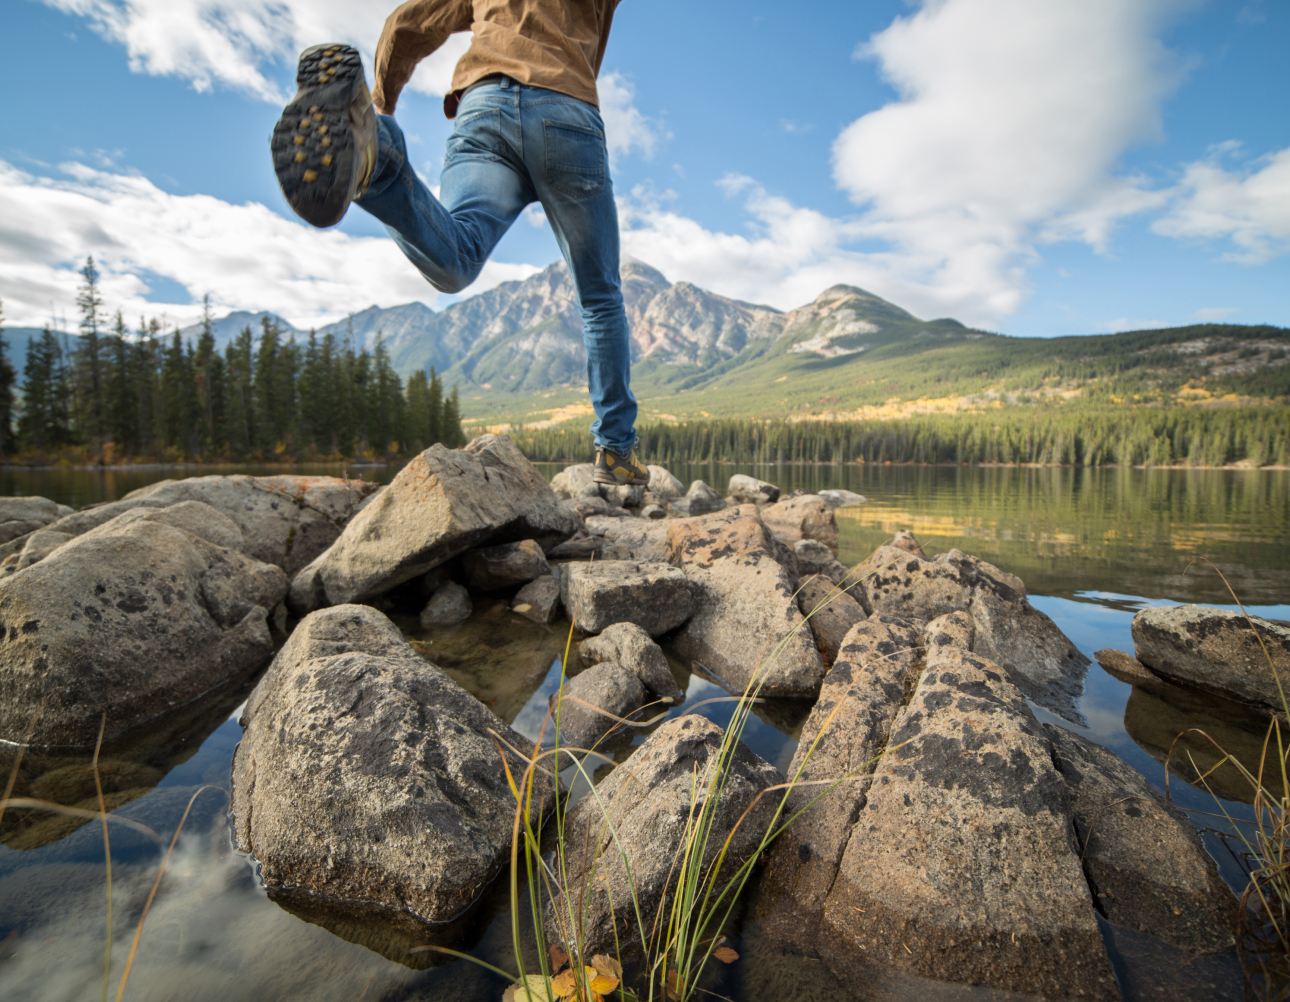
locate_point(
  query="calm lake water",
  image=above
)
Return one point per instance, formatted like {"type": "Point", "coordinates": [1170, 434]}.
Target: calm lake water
{"type": "Point", "coordinates": [1092, 546]}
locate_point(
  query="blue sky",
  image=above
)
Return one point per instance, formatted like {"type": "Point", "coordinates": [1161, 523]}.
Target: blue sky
{"type": "Point", "coordinates": [1065, 167]}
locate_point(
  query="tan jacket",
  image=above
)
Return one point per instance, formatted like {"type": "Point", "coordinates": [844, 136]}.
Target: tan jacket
{"type": "Point", "coordinates": [556, 44]}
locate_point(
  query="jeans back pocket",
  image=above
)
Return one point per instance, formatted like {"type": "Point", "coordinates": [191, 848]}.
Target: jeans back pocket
{"type": "Point", "coordinates": [477, 134]}
{"type": "Point", "coordinates": [575, 159]}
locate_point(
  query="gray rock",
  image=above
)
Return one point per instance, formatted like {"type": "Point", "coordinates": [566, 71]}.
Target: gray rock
{"type": "Point", "coordinates": [813, 557]}
{"type": "Point", "coordinates": [623, 496]}
{"type": "Point", "coordinates": [699, 500]}
{"type": "Point", "coordinates": [643, 539]}
{"type": "Point", "coordinates": [830, 612]}
{"type": "Point", "coordinates": [954, 629]}
{"type": "Point", "coordinates": [40, 544]}
{"type": "Point", "coordinates": [587, 507]}
{"type": "Point", "coordinates": [962, 864]}
{"type": "Point", "coordinates": [1145, 861]}
{"type": "Point", "coordinates": [904, 540]}
{"type": "Point", "coordinates": [653, 511]}
{"type": "Point", "coordinates": [576, 482]}
{"type": "Point", "coordinates": [448, 606]}
{"type": "Point", "coordinates": [630, 646]}
{"type": "Point", "coordinates": [1038, 656]}
{"type": "Point", "coordinates": [1125, 667]}
{"type": "Point", "coordinates": [609, 687]}
{"type": "Point", "coordinates": [745, 617]}
{"type": "Point", "coordinates": [842, 499]}
{"type": "Point", "coordinates": [648, 802]}
{"type": "Point", "coordinates": [22, 515]}
{"type": "Point", "coordinates": [749, 490]}
{"type": "Point", "coordinates": [663, 484]}
{"type": "Point", "coordinates": [654, 596]}
{"type": "Point", "coordinates": [539, 600]}
{"type": "Point", "coordinates": [490, 568]}
{"type": "Point", "coordinates": [367, 779]}
{"type": "Point", "coordinates": [136, 619]}
{"type": "Point", "coordinates": [442, 503]}
{"type": "Point", "coordinates": [806, 516]}
{"type": "Point", "coordinates": [878, 664]}
{"type": "Point", "coordinates": [1216, 650]}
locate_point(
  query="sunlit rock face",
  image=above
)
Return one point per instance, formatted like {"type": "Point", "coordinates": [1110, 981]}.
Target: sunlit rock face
{"type": "Point", "coordinates": [142, 615]}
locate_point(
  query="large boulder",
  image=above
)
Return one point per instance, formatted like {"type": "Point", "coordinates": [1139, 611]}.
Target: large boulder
{"type": "Point", "coordinates": [654, 596]}
{"type": "Point", "coordinates": [576, 482]}
{"type": "Point", "coordinates": [1144, 860]}
{"type": "Point", "coordinates": [648, 800]}
{"type": "Point", "coordinates": [1009, 630]}
{"type": "Point", "coordinates": [962, 865]}
{"type": "Point", "coordinates": [803, 516]}
{"type": "Point", "coordinates": [367, 781]}
{"type": "Point", "coordinates": [831, 613]}
{"type": "Point", "coordinates": [607, 687]}
{"type": "Point", "coordinates": [21, 515]}
{"type": "Point", "coordinates": [749, 490]}
{"type": "Point", "coordinates": [637, 539]}
{"type": "Point", "coordinates": [490, 568]}
{"type": "Point", "coordinates": [630, 646]}
{"type": "Point", "coordinates": [746, 621]}
{"type": "Point", "coordinates": [878, 664]}
{"type": "Point", "coordinates": [442, 503]}
{"type": "Point", "coordinates": [1217, 650]}
{"type": "Point", "coordinates": [142, 615]}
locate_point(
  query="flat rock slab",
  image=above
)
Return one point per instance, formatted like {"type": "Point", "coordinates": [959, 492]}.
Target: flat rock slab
{"type": "Point", "coordinates": [654, 596]}
{"type": "Point", "coordinates": [648, 803]}
{"type": "Point", "coordinates": [1215, 649]}
{"type": "Point", "coordinates": [630, 646]}
{"type": "Point", "coordinates": [1009, 630]}
{"type": "Point", "coordinates": [1145, 862]}
{"type": "Point", "coordinates": [746, 620]}
{"type": "Point", "coordinates": [136, 619]}
{"type": "Point", "coordinates": [367, 779]}
{"type": "Point", "coordinates": [962, 866]}
{"type": "Point", "coordinates": [442, 503]}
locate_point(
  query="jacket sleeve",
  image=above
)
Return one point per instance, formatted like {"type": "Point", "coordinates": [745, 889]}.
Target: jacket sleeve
{"type": "Point", "coordinates": [410, 34]}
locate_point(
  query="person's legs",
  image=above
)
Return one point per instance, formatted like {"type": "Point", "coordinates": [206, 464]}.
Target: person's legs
{"type": "Point", "coordinates": [564, 150]}
{"type": "Point", "coordinates": [481, 191]}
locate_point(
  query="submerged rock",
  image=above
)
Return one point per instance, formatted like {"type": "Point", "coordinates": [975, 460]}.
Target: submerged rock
{"type": "Point", "coordinates": [1125, 667]}
{"type": "Point", "coordinates": [805, 516]}
{"type": "Point", "coordinates": [135, 618]}
{"type": "Point", "coordinates": [1145, 861]}
{"type": "Point", "coordinates": [654, 596]}
{"type": "Point", "coordinates": [490, 568]}
{"type": "Point", "coordinates": [1009, 631]}
{"type": "Point", "coordinates": [539, 600]}
{"type": "Point", "coordinates": [367, 779]}
{"type": "Point", "coordinates": [745, 613]}
{"type": "Point", "coordinates": [450, 604]}
{"type": "Point", "coordinates": [630, 646]}
{"type": "Point", "coordinates": [442, 503]}
{"type": "Point", "coordinates": [648, 800]}
{"type": "Point", "coordinates": [609, 687]}
{"type": "Point", "coordinates": [962, 864]}
{"type": "Point", "coordinates": [1215, 649]}
{"type": "Point", "coordinates": [749, 490]}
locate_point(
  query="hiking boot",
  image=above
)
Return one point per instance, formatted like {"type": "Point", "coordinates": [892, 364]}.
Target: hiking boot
{"type": "Point", "coordinates": [621, 471]}
{"type": "Point", "coordinates": [324, 146]}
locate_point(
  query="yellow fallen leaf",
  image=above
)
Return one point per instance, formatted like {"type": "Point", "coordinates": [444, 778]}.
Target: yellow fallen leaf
{"type": "Point", "coordinates": [607, 965]}
{"type": "Point", "coordinates": [531, 989]}
{"type": "Point", "coordinates": [564, 984]}
{"type": "Point", "coordinates": [600, 984]}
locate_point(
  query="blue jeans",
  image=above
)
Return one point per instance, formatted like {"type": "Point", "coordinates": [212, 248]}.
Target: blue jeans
{"type": "Point", "coordinates": [512, 145]}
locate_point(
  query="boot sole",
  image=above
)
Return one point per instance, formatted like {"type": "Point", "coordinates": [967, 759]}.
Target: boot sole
{"type": "Point", "coordinates": [313, 142]}
{"type": "Point", "coordinates": [605, 477]}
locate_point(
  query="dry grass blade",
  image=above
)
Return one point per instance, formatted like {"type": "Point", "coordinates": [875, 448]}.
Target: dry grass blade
{"type": "Point", "coordinates": [107, 856]}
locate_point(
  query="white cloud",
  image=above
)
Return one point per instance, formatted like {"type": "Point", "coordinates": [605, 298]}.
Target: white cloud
{"type": "Point", "coordinates": [245, 256]}
{"type": "Point", "coordinates": [1216, 313]}
{"type": "Point", "coordinates": [1125, 324]}
{"type": "Point", "coordinates": [1250, 207]}
{"type": "Point", "coordinates": [626, 129]}
{"type": "Point", "coordinates": [247, 45]}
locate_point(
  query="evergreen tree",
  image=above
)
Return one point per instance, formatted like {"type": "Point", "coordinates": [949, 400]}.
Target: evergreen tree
{"type": "Point", "coordinates": [238, 357]}
{"type": "Point", "coordinates": [87, 360]}
{"type": "Point", "coordinates": [122, 417]}
{"type": "Point", "coordinates": [44, 421]}
{"type": "Point", "coordinates": [7, 379]}
{"type": "Point", "coordinates": [208, 373]}
{"type": "Point", "coordinates": [416, 435]}
{"type": "Point", "coordinates": [387, 404]}
{"type": "Point", "coordinates": [450, 433]}
{"type": "Point", "coordinates": [434, 409]}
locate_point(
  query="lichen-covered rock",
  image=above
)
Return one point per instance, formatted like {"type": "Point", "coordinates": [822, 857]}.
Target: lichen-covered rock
{"type": "Point", "coordinates": [654, 596]}
{"type": "Point", "coordinates": [490, 568]}
{"type": "Point", "coordinates": [20, 516]}
{"type": "Point", "coordinates": [1215, 649]}
{"type": "Point", "coordinates": [1009, 630]}
{"type": "Point", "coordinates": [648, 800]}
{"type": "Point", "coordinates": [630, 646]}
{"type": "Point", "coordinates": [745, 619]}
{"type": "Point", "coordinates": [813, 557]}
{"type": "Point", "coordinates": [539, 600]}
{"type": "Point", "coordinates": [830, 612]}
{"type": "Point", "coordinates": [962, 865]}
{"type": "Point", "coordinates": [367, 779]}
{"type": "Point", "coordinates": [954, 629]}
{"type": "Point", "coordinates": [1145, 861]}
{"type": "Point", "coordinates": [449, 605]}
{"type": "Point", "coordinates": [804, 516]}
{"type": "Point", "coordinates": [441, 504]}
{"type": "Point", "coordinates": [609, 687]}
{"type": "Point", "coordinates": [749, 490]}
{"type": "Point", "coordinates": [136, 618]}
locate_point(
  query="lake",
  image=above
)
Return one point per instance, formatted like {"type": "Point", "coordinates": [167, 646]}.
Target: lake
{"type": "Point", "coordinates": [1093, 546]}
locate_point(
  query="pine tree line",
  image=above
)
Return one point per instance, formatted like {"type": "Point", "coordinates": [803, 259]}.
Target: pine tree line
{"type": "Point", "coordinates": [120, 393]}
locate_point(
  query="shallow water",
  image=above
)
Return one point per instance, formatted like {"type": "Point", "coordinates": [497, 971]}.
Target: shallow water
{"type": "Point", "coordinates": [1092, 546]}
